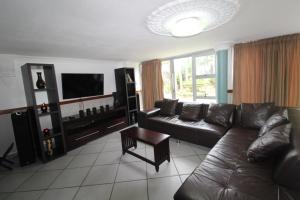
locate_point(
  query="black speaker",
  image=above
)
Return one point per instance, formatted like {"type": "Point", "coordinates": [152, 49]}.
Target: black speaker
{"type": "Point", "coordinates": [23, 131]}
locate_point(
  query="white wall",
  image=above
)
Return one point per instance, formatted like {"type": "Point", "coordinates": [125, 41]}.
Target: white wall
{"type": "Point", "coordinates": [12, 90]}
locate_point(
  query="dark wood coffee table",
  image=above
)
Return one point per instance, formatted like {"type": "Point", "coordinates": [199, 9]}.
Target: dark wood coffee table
{"type": "Point", "coordinates": [159, 141]}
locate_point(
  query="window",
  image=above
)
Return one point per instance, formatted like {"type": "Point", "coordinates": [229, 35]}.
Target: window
{"type": "Point", "coordinates": [190, 78]}
{"type": "Point", "coordinates": [205, 78]}
{"type": "Point", "coordinates": [183, 79]}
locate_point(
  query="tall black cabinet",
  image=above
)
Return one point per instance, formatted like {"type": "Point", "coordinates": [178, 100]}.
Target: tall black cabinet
{"type": "Point", "coordinates": [126, 92]}
{"type": "Point", "coordinates": [51, 144]}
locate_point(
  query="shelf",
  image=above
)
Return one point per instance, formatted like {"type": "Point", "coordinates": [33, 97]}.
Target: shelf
{"type": "Point", "coordinates": [101, 115]}
{"type": "Point", "coordinates": [40, 90]}
{"type": "Point", "coordinates": [46, 113]}
{"type": "Point", "coordinates": [127, 87]}
{"type": "Point", "coordinates": [43, 90]}
{"type": "Point", "coordinates": [134, 96]}
{"type": "Point", "coordinates": [52, 136]}
{"type": "Point", "coordinates": [32, 98]}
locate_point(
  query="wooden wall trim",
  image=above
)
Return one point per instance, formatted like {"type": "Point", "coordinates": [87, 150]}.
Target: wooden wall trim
{"type": "Point", "coordinates": [12, 110]}
{"type": "Point", "coordinates": [84, 99]}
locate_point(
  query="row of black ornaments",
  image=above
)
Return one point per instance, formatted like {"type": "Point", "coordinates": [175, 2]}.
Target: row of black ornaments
{"type": "Point", "coordinates": [94, 109]}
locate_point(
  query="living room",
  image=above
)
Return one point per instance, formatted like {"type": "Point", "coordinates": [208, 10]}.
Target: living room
{"type": "Point", "coordinates": [149, 100]}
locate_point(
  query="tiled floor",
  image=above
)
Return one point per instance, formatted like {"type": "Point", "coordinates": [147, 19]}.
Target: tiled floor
{"type": "Point", "coordinates": [98, 171]}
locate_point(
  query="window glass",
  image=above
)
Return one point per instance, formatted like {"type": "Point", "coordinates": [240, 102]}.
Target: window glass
{"type": "Point", "coordinates": [206, 87]}
{"type": "Point", "coordinates": [205, 65]}
{"type": "Point", "coordinates": [205, 78]}
{"type": "Point", "coordinates": [166, 75]}
{"type": "Point", "coordinates": [183, 79]}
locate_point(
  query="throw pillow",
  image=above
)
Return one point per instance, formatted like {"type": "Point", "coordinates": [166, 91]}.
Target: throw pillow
{"type": "Point", "coordinates": [276, 119]}
{"type": "Point", "coordinates": [168, 107]}
{"type": "Point", "coordinates": [191, 112]}
{"type": "Point", "coordinates": [220, 114]}
{"type": "Point", "coordinates": [270, 143]}
{"type": "Point", "coordinates": [255, 115]}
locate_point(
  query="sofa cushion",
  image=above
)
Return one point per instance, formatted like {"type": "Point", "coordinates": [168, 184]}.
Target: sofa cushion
{"type": "Point", "coordinates": [255, 115]}
{"type": "Point", "coordinates": [276, 119]}
{"type": "Point", "coordinates": [196, 125]}
{"type": "Point", "coordinates": [178, 109]}
{"type": "Point", "coordinates": [168, 107]}
{"type": "Point", "coordinates": [225, 173]}
{"type": "Point", "coordinates": [198, 132]}
{"type": "Point", "coordinates": [220, 114]}
{"type": "Point", "coordinates": [191, 112]}
{"type": "Point", "coordinates": [270, 143]}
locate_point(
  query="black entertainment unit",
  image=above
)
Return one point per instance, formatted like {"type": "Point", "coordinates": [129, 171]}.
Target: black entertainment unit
{"type": "Point", "coordinates": [80, 130]}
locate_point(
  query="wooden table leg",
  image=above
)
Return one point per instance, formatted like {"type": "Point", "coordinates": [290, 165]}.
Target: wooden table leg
{"type": "Point", "coordinates": [135, 144]}
{"type": "Point", "coordinates": [168, 150]}
{"type": "Point", "coordinates": [127, 143]}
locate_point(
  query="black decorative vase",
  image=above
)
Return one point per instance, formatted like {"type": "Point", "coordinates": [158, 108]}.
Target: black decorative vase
{"type": "Point", "coordinates": [101, 109]}
{"type": "Point", "coordinates": [94, 110]}
{"type": "Point", "coordinates": [40, 83]}
{"type": "Point", "coordinates": [88, 112]}
{"type": "Point", "coordinates": [81, 113]}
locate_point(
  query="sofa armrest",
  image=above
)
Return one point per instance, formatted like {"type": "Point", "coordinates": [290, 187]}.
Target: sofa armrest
{"type": "Point", "coordinates": [150, 112]}
{"type": "Point", "coordinates": [143, 116]}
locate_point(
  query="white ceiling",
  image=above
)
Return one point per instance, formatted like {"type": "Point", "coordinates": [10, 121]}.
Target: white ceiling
{"type": "Point", "coordinates": [116, 29]}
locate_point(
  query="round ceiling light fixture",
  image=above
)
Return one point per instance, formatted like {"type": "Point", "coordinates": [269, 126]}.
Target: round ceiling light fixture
{"type": "Point", "coordinates": [183, 18]}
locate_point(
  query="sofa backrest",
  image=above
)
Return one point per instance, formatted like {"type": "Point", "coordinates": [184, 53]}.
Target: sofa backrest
{"type": "Point", "coordinates": [204, 109]}
{"type": "Point", "coordinates": [179, 106]}
{"type": "Point", "coordinates": [238, 114]}
{"type": "Point", "coordinates": [287, 167]}
{"type": "Point", "coordinates": [178, 110]}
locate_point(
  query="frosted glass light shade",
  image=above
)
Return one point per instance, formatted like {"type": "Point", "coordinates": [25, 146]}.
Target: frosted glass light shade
{"type": "Point", "coordinates": [182, 18]}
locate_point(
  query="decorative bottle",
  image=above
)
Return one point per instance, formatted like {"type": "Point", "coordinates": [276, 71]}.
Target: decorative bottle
{"type": "Point", "coordinates": [40, 83]}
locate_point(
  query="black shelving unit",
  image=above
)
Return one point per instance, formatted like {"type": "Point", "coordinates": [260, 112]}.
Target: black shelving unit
{"type": "Point", "coordinates": [126, 91]}
{"type": "Point", "coordinates": [52, 145]}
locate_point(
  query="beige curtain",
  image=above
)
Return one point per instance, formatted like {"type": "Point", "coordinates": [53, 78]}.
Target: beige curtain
{"type": "Point", "coordinates": [152, 83]}
{"type": "Point", "coordinates": [268, 71]}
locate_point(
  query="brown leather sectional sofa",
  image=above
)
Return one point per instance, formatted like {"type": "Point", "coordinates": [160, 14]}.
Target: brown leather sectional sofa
{"type": "Point", "coordinates": [198, 132]}
{"type": "Point", "coordinates": [226, 173]}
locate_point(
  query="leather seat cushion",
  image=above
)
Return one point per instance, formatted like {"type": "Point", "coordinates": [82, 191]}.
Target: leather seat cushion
{"type": "Point", "coordinates": [198, 132]}
{"type": "Point", "coordinates": [225, 173]}
{"type": "Point", "coordinates": [200, 125]}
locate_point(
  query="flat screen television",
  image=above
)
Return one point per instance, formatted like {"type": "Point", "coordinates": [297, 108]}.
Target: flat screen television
{"type": "Point", "coordinates": [81, 85]}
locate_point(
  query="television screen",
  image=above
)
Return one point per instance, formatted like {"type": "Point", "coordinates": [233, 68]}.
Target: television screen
{"type": "Point", "coordinates": [81, 85]}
